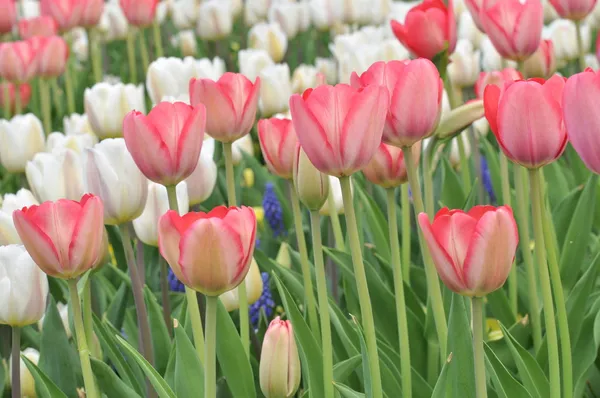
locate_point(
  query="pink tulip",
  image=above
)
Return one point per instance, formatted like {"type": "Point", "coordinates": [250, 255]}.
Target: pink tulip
{"type": "Point", "coordinates": [24, 89]}
{"type": "Point", "coordinates": [340, 127]}
{"type": "Point", "coordinates": [230, 102]}
{"type": "Point", "coordinates": [278, 142]}
{"type": "Point", "coordinates": [387, 168]}
{"type": "Point", "coordinates": [139, 12]}
{"type": "Point", "coordinates": [66, 13]}
{"type": "Point", "coordinates": [543, 62]}
{"type": "Point", "coordinates": [497, 78]}
{"type": "Point", "coordinates": [91, 11]}
{"type": "Point", "coordinates": [580, 98]}
{"type": "Point", "coordinates": [415, 93]}
{"type": "Point", "coordinates": [51, 56]}
{"type": "Point", "coordinates": [473, 252]}
{"type": "Point", "coordinates": [8, 16]}
{"type": "Point", "coordinates": [166, 144]}
{"type": "Point", "coordinates": [38, 26]}
{"type": "Point", "coordinates": [429, 29]}
{"type": "Point", "coordinates": [474, 7]}
{"type": "Point", "coordinates": [209, 252]}
{"type": "Point", "coordinates": [17, 61]}
{"type": "Point", "coordinates": [65, 238]}
{"type": "Point", "coordinates": [526, 118]}
{"type": "Point", "coordinates": [514, 27]}
{"type": "Point", "coordinates": [575, 10]}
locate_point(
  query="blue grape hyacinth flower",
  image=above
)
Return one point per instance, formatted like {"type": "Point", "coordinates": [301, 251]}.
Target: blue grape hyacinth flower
{"type": "Point", "coordinates": [273, 210]}
{"type": "Point", "coordinates": [265, 302]}
{"type": "Point", "coordinates": [175, 284]}
{"type": "Point", "coordinates": [486, 179]}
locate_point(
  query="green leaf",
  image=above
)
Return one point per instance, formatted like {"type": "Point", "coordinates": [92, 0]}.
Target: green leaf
{"type": "Point", "coordinates": [114, 239]}
{"type": "Point", "coordinates": [82, 282]}
{"type": "Point", "coordinates": [347, 392]}
{"type": "Point", "coordinates": [43, 383]}
{"type": "Point", "coordinates": [499, 305]}
{"type": "Point", "coordinates": [160, 334]}
{"type": "Point", "coordinates": [460, 372]}
{"type": "Point", "coordinates": [441, 386]}
{"type": "Point", "coordinates": [585, 350]}
{"type": "Point", "coordinates": [453, 193]}
{"type": "Point", "coordinates": [160, 385]}
{"type": "Point", "coordinates": [109, 382]}
{"type": "Point", "coordinates": [116, 309]}
{"type": "Point", "coordinates": [579, 297]}
{"type": "Point", "coordinates": [365, 358]}
{"type": "Point", "coordinates": [506, 385]}
{"type": "Point", "coordinates": [344, 369]}
{"type": "Point", "coordinates": [189, 374]}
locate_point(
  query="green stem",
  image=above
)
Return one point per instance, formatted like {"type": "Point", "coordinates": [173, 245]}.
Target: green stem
{"type": "Point", "coordinates": [158, 46]}
{"type": "Point", "coordinates": [405, 368]}
{"type": "Point", "coordinates": [540, 249]}
{"type": "Point", "coordinates": [69, 88]}
{"type": "Point", "coordinates": [15, 376]}
{"type": "Point", "coordinates": [84, 352]}
{"type": "Point", "coordinates": [45, 104]}
{"type": "Point", "coordinates": [131, 56]}
{"type": "Point", "coordinates": [362, 287]}
{"type": "Point", "coordinates": [406, 232]}
{"type": "Point", "coordinates": [580, 48]}
{"type": "Point", "coordinates": [242, 295]}
{"type": "Point", "coordinates": [143, 49]}
{"type": "Point", "coordinates": [465, 171]}
{"type": "Point", "coordinates": [164, 289]}
{"type": "Point", "coordinates": [335, 223]}
{"type": "Point", "coordinates": [522, 208]}
{"type": "Point", "coordinates": [427, 179]}
{"type": "Point", "coordinates": [506, 199]}
{"type": "Point", "coordinates": [210, 361]}
{"type": "Point", "coordinates": [96, 54]}
{"type": "Point", "coordinates": [18, 99]}
{"type": "Point", "coordinates": [433, 283]}
{"type": "Point", "coordinates": [478, 353]}
{"type": "Point", "coordinates": [309, 295]}
{"type": "Point", "coordinates": [326, 342]}
{"type": "Point", "coordinates": [561, 309]}
{"type": "Point", "coordinates": [190, 294]}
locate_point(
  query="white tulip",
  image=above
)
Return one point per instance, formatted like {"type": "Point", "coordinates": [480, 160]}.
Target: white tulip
{"type": "Point", "coordinates": [464, 69]}
{"type": "Point", "coordinates": [205, 68]}
{"type": "Point", "coordinates": [20, 139]}
{"type": "Point", "coordinates": [56, 175]}
{"type": "Point", "coordinates": [146, 225]}
{"type": "Point", "coordinates": [392, 50]}
{"type": "Point", "coordinates": [491, 59]}
{"type": "Point", "coordinates": [27, 380]}
{"type": "Point", "coordinates": [550, 13]}
{"type": "Point", "coordinates": [80, 44]}
{"type": "Point", "coordinates": [328, 68]}
{"type": "Point", "coordinates": [10, 203]}
{"type": "Point", "coordinates": [162, 9]}
{"type": "Point", "coordinates": [107, 104]}
{"type": "Point", "coordinates": [563, 34]}
{"type": "Point", "coordinates": [185, 98]}
{"type": "Point", "coordinates": [335, 194]}
{"type": "Point", "coordinates": [468, 30]}
{"type": "Point", "coordinates": [76, 124]}
{"type": "Point", "coordinates": [254, 288]}
{"type": "Point", "coordinates": [184, 13]}
{"type": "Point", "coordinates": [251, 62]}
{"type": "Point", "coordinates": [481, 127]}
{"type": "Point", "coordinates": [75, 142]}
{"type": "Point", "coordinates": [202, 181]}
{"type": "Point", "coordinates": [23, 287]}
{"type": "Point", "coordinates": [304, 77]}
{"type": "Point", "coordinates": [112, 175]}
{"type": "Point", "coordinates": [275, 89]}
{"type": "Point", "coordinates": [113, 24]}
{"type": "Point", "coordinates": [454, 156]}
{"type": "Point", "coordinates": [591, 61]}
{"type": "Point", "coordinates": [358, 11]}
{"type": "Point", "coordinates": [269, 37]}
{"type": "Point", "coordinates": [186, 40]}
{"type": "Point", "coordinates": [287, 15]}
{"type": "Point", "coordinates": [255, 11]}
{"type": "Point", "coordinates": [215, 20]}
{"type": "Point", "coordinates": [63, 312]}
{"type": "Point", "coordinates": [326, 13]}
{"type": "Point", "coordinates": [28, 9]}
{"type": "Point", "coordinates": [241, 146]}
{"type": "Point", "coordinates": [593, 20]}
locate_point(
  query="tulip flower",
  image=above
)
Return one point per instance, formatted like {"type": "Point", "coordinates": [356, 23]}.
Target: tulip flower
{"type": "Point", "coordinates": [254, 288]}
{"type": "Point", "coordinates": [209, 252]}
{"type": "Point", "coordinates": [8, 16]}
{"type": "Point", "coordinates": [17, 61]}
{"type": "Point", "coordinates": [38, 26]}
{"type": "Point", "coordinates": [429, 29]}
{"type": "Point", "coordinates": [328, 68]}
{"type": "Point", "coordinates": [289, 16]}
{"type": "Point", "coordinates": [113, 25]}
{"type": "Point", "coordinates": [513, 26]}
{"type": "Point", "coordinates": [269, 37]}
{"type": "Point", "coordinates": [498, 78]}
{"type": "Point", "coordinates": [27, 380]}
{"type": "Point", "coordinates": [21, 137]}
{"type": "Point", "coordinates": [56, 175]}
{"type": "Point", "coordinates": [139, 12]}
{"type": "Point", "coordinates": [187, 43]}
{"type": "Point", "coordinates": [77, 143]}
{"type": "Point", "coordinates": [311, 185]}
{"type": "Point", "coordinates": [275, 89]}
{"type": "Point", "coordinates": [64, 238]}
{"type": "Point", "coordinates": [387, 168]}
{"type": "Point", "coordinates": [166, 144]}
{"type": "Point", "coordinates": [215, 20]}
{"type": "Point", "coordinates": [542, 63]}
{"type": "Point", "coordinates": [304, 77]}
{"type": "Point", "coordinates": [76, 124]}
{"type": "Point", "coordinates": [526, 118]}
{"type": "Point", "coordinates": [410, 117]}
{"type": "Point", "coordinates": [255, 11]}
{"type": "Point", "coordinates": [9, 88]}
{"type": "Point", "coordinates": [251, 62]}
{"type": "Point", "coordinates": [563, 34]}
{"type": "Point", "coordinates": [278, 141]}
{"type": "Point", "coordinates": [230, 104]}
{"type": "Point", "coordinates": [464, 68]}
{"type": "Point", "coordinates": [66, 13]}
{"type": "Point", "coordinates": [10, 203]}
{"type": "Point", "coordinates": [51, 56]}
{"type": "Point", "coordinates": [473, 252]}
{"type": "Point", "coordinates": [279, 372]}
{"type": "Point", "coordinates": [581, 118]}
{"type": "Point", "coordinates": [91, 12]}
{"type": "Point", "coordinates": [106, 105]}
{"type": "Point", "coordinates": [575, 10]}
{"type": "Point", "coordinates": [202, 181]}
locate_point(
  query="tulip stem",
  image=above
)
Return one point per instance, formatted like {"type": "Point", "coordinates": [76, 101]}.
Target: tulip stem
{"type": "Point", "coordinates": [210, 371]}
{"type": "Point", "coordinates": [524, 239]}
{"type": "Point", "coordinates": [561, 309]}
{"type": "Point", "coordinates": [326, 344]}
{"type": "Point", "coordinates": [406, 232]}
{"type": "Point", "coordinates": [433, 283]}
{"type": "Point", "coordinates": [164, 289]}
{"type": "Point", "coordinates": [96, 54]}
{"type": "Point", "coordinates": [335, 222]}
{"type": "Point", "coordinates": [362, 287]}
{"type": "Point", "coordinates": [465, 171]}
{"type": "Point", "coordinates": [427, 177]}
{"type": "Point", "coordinates": [84, 352]}
{"type": "Point", "coordinates": [88, 324]}
{"type": "Point", "coordinates": [580, 48]}
{"type": "Point", "coordinates": [540, 249]}
{"type": "Point", "coordinates": [16, 363]}
{"type": "Point", "coordinates": [506, 199]}
{"type": "Point", "coordinates": [18, 99]}
{"type": "Point", "coordinates": [158, 46]}
{"type": "Point", "coordinates": [190, 294]}
{"type": "Point", "coordinates": [143, 49]}
{"type": "Point", "coordinates": [131, 56]}
{"type": "Point", "coordinates": [45, 104]}
{"type": "Point", "coordinates": [242, 295]}
{"type": "Point", "coordinates": [69, 88]}
{"type": "Point", "coordinates": [478, 353]}
{"type": "Point", "coordinates": [405, 369]}
{"type": "Point", "coordinates": [306, 275]}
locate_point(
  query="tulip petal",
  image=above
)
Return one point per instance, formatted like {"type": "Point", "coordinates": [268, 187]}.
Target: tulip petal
{"type": "Point", "coordinates": [190, 142]}
{"type": "Point", "coordinates": [88, 233]}
{"type": "Point", "coordinates": [38, 243]}
{"type": "Point", "coordinates": [220, 110]}
{"type": "Point", "coordinates": [168, 242]}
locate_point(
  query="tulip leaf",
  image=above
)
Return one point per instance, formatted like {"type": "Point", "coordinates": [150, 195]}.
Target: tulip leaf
{"type": "Point", "coordinates": [160, 385]}
{"type": "Point", "coordinates": [441, 385]}
{"type": "Point", "coordinates": [109, 382]}
{"type": "Point", "coordinates": [2, 375]}
{"type": "Point", "coordinates": [499, 306]}
{"type": "Point", "coordinates": [43, 383]}
{"type": "Point", "coordinates": [389, 371]}
{"type": "Point", "coordinates": [585, 350]}
{"type": "Point", "coordinates": [579, 297]}
{"type": "Point", "coordinates": [114, 239]}
{"type": "Point", "coordinates": [189, 374]}
{"type": "Point", "coordinates": [232, 359]}
{"type": "Point", "coordinates": [82, 282]}
{"type": "Point", "coordinates": [115, 313]}
{"type": "Point", "coordinates": [505, 384]}
{"type": "Point", "coordinates": [376, 225]}
{"type": "Point", "coordinates": [160, 334]}
{"type": "Point", "coordinates": [344, 369]}
{"type": "Point", "coordinates": [460, 374]}
{"type": "Point", "coordinates": [347, 392]}
{"type": "Point", "coordinates": [557, 183]}
{"type": "Point", "coordinates": [453, 193]}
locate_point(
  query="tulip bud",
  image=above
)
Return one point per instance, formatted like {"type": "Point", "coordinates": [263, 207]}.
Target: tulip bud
{"type": "Point", "coordinates": [328, 68]}
{"type": "Point", "coordinates": [56, 175]}
{"type": "Point", "coordinates": [17, 61]}
{"type": "Point", "coordinates": [326, 13]}
{"type": "Point", "coordinates": [268, 37]}
{"type": "Point", "coordinates": [21, 137]}
{"type": "Point", "coordinates": [10, 203]}
{"type": "Point", "coordinates": [335, 195]}
{"type": "Point", "coordinates": [23, 287]}
{"type": "Point", "coordinates": [8, 17]}
{"type": "Point", "coordinates": [27, 380]}
{"type": "Point", "coordinates": [455, 156]}
{"type": "Point", "coordinates": [139, 12]}
{"type": "Point", "coordinates": [542, 63]}
{"type": "Point", "coordinates": [287, 15]}
{"type": "Point", "coordinates": [255, 11]}
{"type": "Point", "coordinates": [304, 77]}
{"type": "Point", "coordinates": [91, 12]}
{"type": "Point", "coordinates": [63, 312]}
{"type": "Point", "coordinates": [275, 89]}
{"type": "Point", "coordinates": [51, 56]}
{"type": "Point", "coordinates": [575, 10]}
{"type": "Point", "coordinates": [38, 26]}
{"type": "Point", "coordinates": [251, 62]}
{"type": "Point", "coordinates": [113, 24]}
{"type": "Point", "coordinates": [241, 146]}
{"type": "Point", "coordinates": [215, 20]}
{"type": "Point", "coordinates": [279, 361]}
{"type": "Point", "coordinates": [460, 118]}
{"type": "Point", "coordinates": [464, 65]}
{"type": "Point", "coordinates": [387, 168]}
{"type": "Point", "coordinates": [563, 34]}
{"type": "Point", "coordinates": [278, 144]}
{"type": "Point", "coordinates": [202, 181]}
{"type": "Point", "coordinates": [254, 287]}
{"type": "Point", "coordinates": [283, 256]}
{"type": "Point", "coordinates": [187, 43]}
{"type": "Point", "coordinates": [66, 13]}
{"type": "Point", "coordinates": [312, 185]}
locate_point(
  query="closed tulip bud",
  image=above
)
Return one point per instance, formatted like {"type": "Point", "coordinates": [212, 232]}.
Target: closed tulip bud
{"type": "Point", "coordinates": [23, 287]}
{"type": "Point", "coordinates": [575, 10]}
{"type": "Point", "coordinates": [209, 252]}
{"type": "Point", "coordinates": [202, 181]}
{"type": "Point", "coordinates": [283, 256]}
{"type": "Point", "coordinates": [39, 26]}
{"type": "Point", "coordinates": [27, 380]}
{"type": "Point", "coordinates": [335, 194]}
{"type": "Point", "coordinates": [113, 24]}
{"type": "Point", "coordinates": [328, 68]}
{"type": "Point", "coordinates": [287, 15]}
{"type": "Point", "coordinates": [464, 69]}
{"type": "Point", "coordinates": [77, 143]}
{"type": "Point", "coordinates": [387, 168]}
{"type": "Point", "coordinates": [10, 203]}
{"type": "Point", "coordinates": [498, 78]}
{"type": "Point", "coordinates": [458, 119]}
{"type": "Point", "coordinates": [513, 26]}
{"type": "Point", "coordinates": [326, 13]}
{"type": "Point", "coordinates": [275, 89]}
{"type": "Point", "coordinates": [473, 252]}
{"type": "Point", "coordinates": [139, 12]}
{"type": "Point", "coordinates": [563, 34]}
{"type": "Point", "coordinates": [91, 12]}
{"type": "Point", "coordinates": [51, 56]}
{"type": "Point", "coordinates": [169, 77]}
{"type": "Point", "coordinates": [56, 175]}
{"type": "Point", "coordinates": [304, 77]}
{"type": "Point", "coordinates": [279, 361]}
{"type": "Point", "coordinates": [186, 40]}
{"type": "Point", "coordinates": [215, 20]}
{"type": "Point", "coordinates": [107, 104]}
{"type": "Point", "coordinates": [278, 142]}
{"type": "Point", "coordinates": [66, 13]}
{"type": "Point", "coordinates": [311, 185]}
{"type": "Point", "coordinates": [527, 120]}
{"type": "Point", "coordinates": [157, 204]}
{"type": "Point", "coordinates": [254, 288]}
{"type": "Point", "coordinates": [8, 17]}
{"type": "Point", "coordinates": [10, 101]}
{"type": "Point", "coordinates": [255, 11]}
{"type": "Point", "coordinates": [251, 62]}
{"type": "Point", "coordinates": [230, 102]}
{"type": "Point", "coordinates": [409, 118]}
{"type": "Point", "coordinates": [21, 137]}
{"type": "Point", "coordinates": [64, 238]}
{"type": "Point", "coordinates": [17, 61]}
{"type": "Point", "coordinates": [269, 37]}
{"type": "Point", "coordinates": [468, 30]}
{"type": "Point", "coordinates": [542, 63]}
{"type": "Point", "coordinates": [429, 29]}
